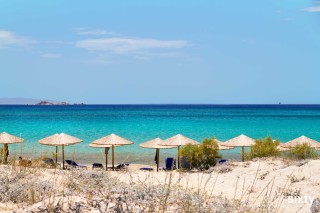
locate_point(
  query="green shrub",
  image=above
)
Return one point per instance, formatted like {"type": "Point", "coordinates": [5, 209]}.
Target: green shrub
{"type": "Point", "coordinates": [210, 152]}
{"type": "Point", "coordinates": [303, 151]}
{"type": "Point", "coordinates": [201, 156]}
{"type": "Point", "coordinates": [264, 148]}
{"type": "Point", "coordinates": [190, 153]}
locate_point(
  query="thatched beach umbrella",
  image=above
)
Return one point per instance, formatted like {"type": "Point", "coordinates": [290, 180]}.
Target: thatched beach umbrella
{"type": "Point", "coordinates": [301, 140]}
{"type": "Point", "coordinates": [106, 150]}
{"type": "Point", "coordinates": [178, 140]}
{"type": "Point", "coordinates": [6, 139]}
{"type": "Point", "coordinates": [281, 148]}
{"type": "Point", "coordinates": [221, 146]}
{"type": "Point", "coordinates": [155, 144]}
{"type": "Point", "coordinates": [112, 140]}
{"type": "Point", "coordinates": [61, 139]}
{"type": "Point", "coordinates": [240, 141]}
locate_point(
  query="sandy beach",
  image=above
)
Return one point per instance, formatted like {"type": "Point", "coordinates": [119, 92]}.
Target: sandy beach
{"type": "Point", "coordinates": [159, 106]}
{"type": "Point", "coordinates": [271, 184]}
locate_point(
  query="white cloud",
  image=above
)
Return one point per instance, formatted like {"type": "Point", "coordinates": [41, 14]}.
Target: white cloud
{"type": "Point", "coordinates": [52, 55]}
{"type": "Point", "coordinates": [129, 45]}
{"type": "Point", "coordinates": [313, 9]}
{"type": "Point", "coordinates": [97, 32]}
{"type": "Point", "coordinates": [8, 38]}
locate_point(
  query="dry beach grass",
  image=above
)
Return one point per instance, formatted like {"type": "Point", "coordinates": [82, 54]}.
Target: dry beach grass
{"type": "Point", "coordinates": [263, 185]}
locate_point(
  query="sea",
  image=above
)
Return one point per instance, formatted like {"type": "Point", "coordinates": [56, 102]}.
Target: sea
{"type": "Point", "coordinates": [140, 123]}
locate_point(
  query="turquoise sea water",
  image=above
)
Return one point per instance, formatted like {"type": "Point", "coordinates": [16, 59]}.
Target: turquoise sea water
{"type": "Point", "coordinates": [140, 123]}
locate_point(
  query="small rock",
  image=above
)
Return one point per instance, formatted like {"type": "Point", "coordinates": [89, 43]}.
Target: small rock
{"type": "Point", "coordinates": [315, 207]}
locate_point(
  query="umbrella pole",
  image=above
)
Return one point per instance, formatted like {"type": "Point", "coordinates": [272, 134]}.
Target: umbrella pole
{"type": "Point", "coordinates": [5, 153]}
{"type": "Point", "coordinates": [56, 154]}
{"type": "Point", "coordinates": [158, 153]}
{"type": "Point", "coordinates": [178, 157]}
{"type": "Point", "coordinates": [4, 147]}
{"type": "Point", "coordinates": [113, 157]}
{"type": "Point", "coordinates": [62, 156]}
{"type": "Point", "coordinates": [106, 152]}
{"type": "Point", "coordinates": [243, 154]}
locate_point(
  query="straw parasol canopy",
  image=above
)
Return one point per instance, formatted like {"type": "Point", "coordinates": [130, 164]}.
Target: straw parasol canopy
{"type": "Point", "coordinates": [107, 147]}
{"type": "Point", "coordinates": [301, 140]}
{"type": "Point", "coordinates": [61, 139]}
{"type": "Point", "coordinates": [281, 148]}
{"type": "Point", "coordinates": [6, 139]}
{"type": "Point", "coordinates": [221, 145]}
{"type": "Point", "coordinates": [155, 144]}
{"type": "Point", "coordinates": [178, 140]}
{"type": "Point", "coordinates": [112, 140]}
{"type": "Point", "coordinates": [99, 146]}
{"type": "Point", "coordinates": [240, 141]}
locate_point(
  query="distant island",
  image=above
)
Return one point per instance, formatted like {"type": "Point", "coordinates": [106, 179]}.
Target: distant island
{"type": "Point", "coordinates": [49, 103]}
{"type": "Point", "coordinates": [31, 101]}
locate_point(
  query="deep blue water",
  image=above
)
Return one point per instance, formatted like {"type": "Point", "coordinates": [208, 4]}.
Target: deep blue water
{"type": "Point", "coordinates": [140, 123]}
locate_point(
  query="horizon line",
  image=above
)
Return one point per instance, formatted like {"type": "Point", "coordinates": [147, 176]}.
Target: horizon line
{"type": "Point", "coordinates": [144, 104]}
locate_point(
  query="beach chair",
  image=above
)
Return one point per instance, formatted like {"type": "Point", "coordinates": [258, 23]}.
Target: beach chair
{"type": "Point", "coordinates": [185, 163]}
{"type": "Point", "coordinates": [121, 166]}
{"type": "Point", "coordinates": [97, 166]}
{"type": "Point", "coordinates": [25, 163]}
{"type": "Point", "coordinates": [146, 169]}
{"type": "Point", "coordinates": [222, 161]}
{"type": "Point", "coordinates": [73, 164]}
{"type": "Point", "coordinates": [49, 162]}
{"type": "Point", "coordinates": [170, 164]}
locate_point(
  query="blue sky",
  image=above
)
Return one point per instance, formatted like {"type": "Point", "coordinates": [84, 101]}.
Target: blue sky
{"type": "Point", "coordinates": [215, 52]}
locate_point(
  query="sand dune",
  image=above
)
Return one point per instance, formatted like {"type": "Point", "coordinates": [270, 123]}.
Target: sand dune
{"type": "Point", "coordinates": [274, 184]}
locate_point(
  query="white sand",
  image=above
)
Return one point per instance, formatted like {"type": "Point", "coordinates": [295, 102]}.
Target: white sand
{"type": "Point", "coordinates": [246, 182]}
{"type": "Point", "coordinates": [250, 181]}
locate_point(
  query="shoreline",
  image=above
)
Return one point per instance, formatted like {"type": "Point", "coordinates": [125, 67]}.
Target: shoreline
{"type": "Point", "coordinates": [120, 157]}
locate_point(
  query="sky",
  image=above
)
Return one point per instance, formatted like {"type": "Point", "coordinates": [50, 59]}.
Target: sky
{"type": "Point", "coordinates": [161, 52]}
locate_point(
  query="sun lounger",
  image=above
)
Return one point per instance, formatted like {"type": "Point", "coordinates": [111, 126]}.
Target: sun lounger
{"type": "Point", "coordinates": [49, 162]}
{"type": "Point", "coordinates": [223, 161]}
{"type": "Point", "coordinates": [146, 169]}
{"type": "Point", "coordinates": [170, 164]}
{"type": "Point", "coordinates": [121, 166]}
{"type": "Point", "coordinates": [73, 164]}
{"type": "Point", "coordinates": [97, 166]}
{"type": "Point", "coordinates": [184, 163]}
{"type": "Point", "coordinates": [25, 163]}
